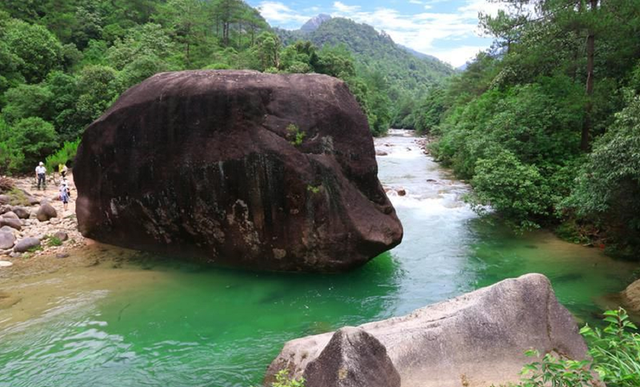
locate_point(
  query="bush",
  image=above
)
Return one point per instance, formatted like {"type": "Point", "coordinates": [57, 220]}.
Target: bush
{"type": "Point", "coordinates": [64, 155]}
{"type": "Point", "coordinates": [283, 380]}
{"type": "Point", "coordinates": [35, 138]}
{"type": "Point", "coordinates": [516, 190]}
{"type": "Point", "coordinates": [614, 352]}
{"type": "Point", "coordinates": [608, 185]}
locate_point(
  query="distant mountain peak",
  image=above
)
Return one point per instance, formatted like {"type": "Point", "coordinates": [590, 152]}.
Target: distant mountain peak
{"type": "Point", "coordinates": [315, 22]}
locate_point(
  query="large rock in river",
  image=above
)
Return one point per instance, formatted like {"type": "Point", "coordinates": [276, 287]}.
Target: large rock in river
{"type": "Point", "coordinates": [240, 168]}
{"type": "Point", "coordinates": [477, 339]}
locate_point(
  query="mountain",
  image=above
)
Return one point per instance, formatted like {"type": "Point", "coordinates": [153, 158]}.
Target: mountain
{"type": "Point", "coordinates": [417, 54]}
{"type": "Point", "coordinates": [374, 52]}
{"type": "Point", "coordinates": [315, 22]}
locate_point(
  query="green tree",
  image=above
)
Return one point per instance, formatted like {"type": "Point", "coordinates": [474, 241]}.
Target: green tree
{"type": "Point", "coordinates": [35, 138]}
{"type": "Point", "coordinates": [38, 49]}
{"type": "Point", "coordinates": [26, 101]}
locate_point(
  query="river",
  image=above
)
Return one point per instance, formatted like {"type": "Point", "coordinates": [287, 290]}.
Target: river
{"type": "Point", "coordinates": [161, 323]}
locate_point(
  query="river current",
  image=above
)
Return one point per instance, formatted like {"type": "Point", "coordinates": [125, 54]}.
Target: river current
{"type": "Point", "coordinates": [158, 323]}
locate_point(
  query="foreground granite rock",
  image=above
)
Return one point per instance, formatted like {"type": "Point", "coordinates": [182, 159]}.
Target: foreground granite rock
{"type": "Point", "coordinates": [240, 168]}
{"type": "Point", "coordinates": [631, 297]}
{"type": "Point", "coordinates": [477, 339]}
{"type": "Point", "coordinates": [352, 358]}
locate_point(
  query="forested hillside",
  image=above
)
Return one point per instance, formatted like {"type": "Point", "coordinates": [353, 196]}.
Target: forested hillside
{"type": "Point", "coordinates": [64, 62]}
{"type": "Point", "coordinates": [546, 125]}
{"type": "Point", "coordinates": [376, 52]}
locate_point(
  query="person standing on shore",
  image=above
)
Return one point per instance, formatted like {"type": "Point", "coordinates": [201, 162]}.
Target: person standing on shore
{"type": "Point", "coordinates": [41, 175]}
{"type": "Point", "coordinates": [64, 193]}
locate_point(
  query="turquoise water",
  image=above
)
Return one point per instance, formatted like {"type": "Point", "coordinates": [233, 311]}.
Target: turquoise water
{"type": "Point", "coordinates": [150, 323]}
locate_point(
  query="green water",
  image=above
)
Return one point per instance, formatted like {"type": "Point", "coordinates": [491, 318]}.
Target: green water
{"type": "Point", "coordinates": [165, 324]}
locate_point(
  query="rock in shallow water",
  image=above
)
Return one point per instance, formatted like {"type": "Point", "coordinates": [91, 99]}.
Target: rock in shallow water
{"type": "Point", "coordinates": [240, 168]}
{"type": "Point", "coordinates": [478, 338]}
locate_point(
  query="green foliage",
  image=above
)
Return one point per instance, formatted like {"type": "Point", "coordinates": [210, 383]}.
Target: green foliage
{"type": "Point", "coordinates": [314, 189]}
{"type": "Point", "coordinates": [615, 350]}
{"type": "Point", "coordinates": [38, 49]}
{"type": "Point", "coordinates": [64, 155]}
{"type": "Point", "coordinates": [54, 241]}
{"type": "Point", "coordinates": [35, 138]}
{"type": "Point", "coordinates": [516, 190]}
{"type": "Point", "coordinates": [294, 135]}
{"type": "Point", "coordinates": [26, 101]}
{"type": "Point", "coordinates": [608, 186]}
{"type": "Point", "coordinates": [614, 355]}
{"type": "Point", "coordinates": [557, 372]}
{"type": "Point", "coordinates": [283, 380]}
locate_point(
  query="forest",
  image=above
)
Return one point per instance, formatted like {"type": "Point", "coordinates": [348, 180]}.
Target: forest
{"type": "Point", "coordinates": [64, 62]}
{"type": "Point", "coordinates": [546, 124]}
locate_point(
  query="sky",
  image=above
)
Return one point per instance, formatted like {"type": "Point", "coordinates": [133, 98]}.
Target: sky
{"type": "Point", "coordinates": [446, 29]}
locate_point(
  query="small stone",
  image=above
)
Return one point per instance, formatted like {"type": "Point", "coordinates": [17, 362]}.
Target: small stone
{"type": "Point", "coordinates": [381, 153]}
{"type": "Point", "coordinates": [62, 255]}
{"type": "Point", "coordinates": [15, 255]}
{"type": "Point", "coordinates": [5, 264]}
{"type": "Point", "coordinates": [401, 192]}
{"type": "Point", "coordinates": [63, 236]}
{"type": "Point", "coordinates": [25, 244]}
{"type": "Point", "coordinates": [5, 199]}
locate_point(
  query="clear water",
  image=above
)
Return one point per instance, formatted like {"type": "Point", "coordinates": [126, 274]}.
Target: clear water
{"type": "Point", "coordinates": [165, 324]}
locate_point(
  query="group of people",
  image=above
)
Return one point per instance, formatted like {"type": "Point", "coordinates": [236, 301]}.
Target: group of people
{"type": "Point", "coordinates": [65, 191]}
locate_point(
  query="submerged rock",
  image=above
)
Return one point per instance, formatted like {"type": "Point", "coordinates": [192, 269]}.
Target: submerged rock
{"type": "Point", "coordinates": [239, 168]}
{"type": "Point", "coordinates": [477, 339]}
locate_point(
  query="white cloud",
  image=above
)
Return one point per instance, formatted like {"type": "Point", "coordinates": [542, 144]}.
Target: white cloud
{"type": "Point", "coordinates": [342, 7]}
{"type": "Point", "coordinates": [280, 13]}
{"type": "Point", "coordinates": [459, 55]}
{"type": "Point", "coordinates": [423, 30]}
{"type": "Point", "coordinates": [426, 32]}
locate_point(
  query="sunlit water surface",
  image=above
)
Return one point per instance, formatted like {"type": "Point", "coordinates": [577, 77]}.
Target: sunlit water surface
{"type": "Point", "coordinates": [168, 324]}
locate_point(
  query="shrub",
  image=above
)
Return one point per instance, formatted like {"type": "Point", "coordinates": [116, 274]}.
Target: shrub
{"type": "Point", "coordinates": [294, 135]}
{"type": "Point", "coordinates": [54, 241]}
{"type": "Point", "coordinates": [283, 380]}
{"type": "Point", "coordinates": [35, 138]}
{"type": "Point", "coordinates": [516, 190]}
{"type": "Point", "coordinates": [64, 155]}
{"type": "Point", "coordinates": [614, 352]}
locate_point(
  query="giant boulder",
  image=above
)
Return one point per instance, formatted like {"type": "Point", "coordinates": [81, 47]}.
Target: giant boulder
{"type": "Point", "coordinates": [477, 339]}
{"type": "Point", "coordinates": [238, 168]}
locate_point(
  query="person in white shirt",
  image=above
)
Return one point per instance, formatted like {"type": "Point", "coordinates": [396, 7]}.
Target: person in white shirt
{"type": "Point", "coordinates": [41, 173]}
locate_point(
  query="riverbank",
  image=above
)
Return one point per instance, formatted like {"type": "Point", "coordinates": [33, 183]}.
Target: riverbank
{"type": "Point", "coordinates": [53, 234]}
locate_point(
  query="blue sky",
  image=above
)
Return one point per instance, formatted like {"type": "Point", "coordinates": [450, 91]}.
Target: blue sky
{"type": "Point", "coordinates": [447, 29]}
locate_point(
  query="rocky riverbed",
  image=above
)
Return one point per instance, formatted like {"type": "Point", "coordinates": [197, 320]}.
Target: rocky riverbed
{"type": "Point", "coordinates": [34, 226]}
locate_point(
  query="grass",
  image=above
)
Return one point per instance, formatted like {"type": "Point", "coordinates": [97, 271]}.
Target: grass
{"type": "Point", "coordinates": [54, 241]}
